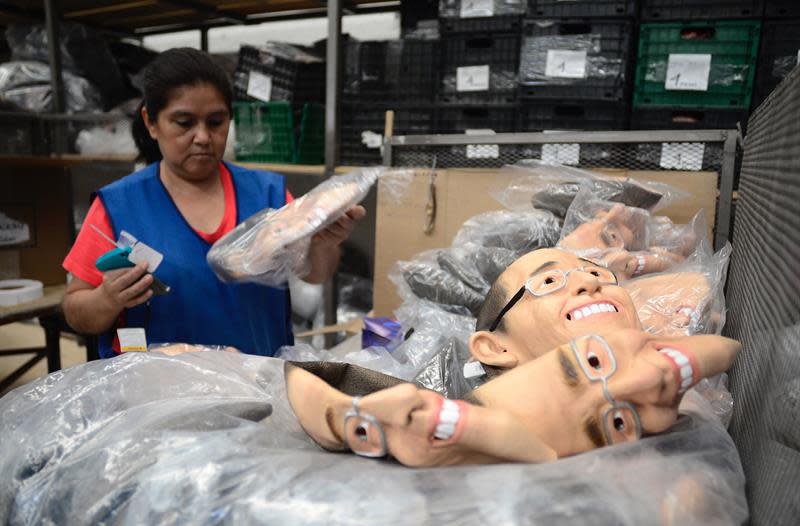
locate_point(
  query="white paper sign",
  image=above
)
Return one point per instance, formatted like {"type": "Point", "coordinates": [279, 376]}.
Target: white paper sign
{"type": "Point", "coordinates": [565, 63]}
{"type": "Point", "coordinates": [132, 339]}
{"type": "Point", "coordinates": [13, 232]}
{"type": "Point", "coordinates": [682, 155]}
{"type": "Point", "coordinates": [561, 153]}
{"type": "Point", "coordinates": [688, 72]}
{"type": "Point", "coordinates": [259, 86]}
{"type": "Point", "coordinates": [472, 78]}
{"type": "Point", "coordinates": [482, 151]}
{"type": "Point", "coordinates": [476, 8]}
{"type": "Point", "coordinates": [142, 252]}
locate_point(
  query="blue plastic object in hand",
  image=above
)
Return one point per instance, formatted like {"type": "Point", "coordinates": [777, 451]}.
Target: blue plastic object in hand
{"type": "Point", "coordinates": [114, 259]}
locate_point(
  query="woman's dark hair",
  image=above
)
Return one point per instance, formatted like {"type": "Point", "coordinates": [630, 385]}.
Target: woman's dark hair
{"type": "Point", "coordinates": [169, 70]}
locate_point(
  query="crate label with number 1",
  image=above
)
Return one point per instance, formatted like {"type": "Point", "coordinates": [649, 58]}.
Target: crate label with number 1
{"type": "Point", "coordinates": [472, 78]}
{"type": "Point", "coordinates": [476, 8]}
{"type": "Point", "coordinates": [565, 63]}
{"type": "Point", "coordinates": [688, 72]}
{"type": "Point", "coordinates": [259, 86]}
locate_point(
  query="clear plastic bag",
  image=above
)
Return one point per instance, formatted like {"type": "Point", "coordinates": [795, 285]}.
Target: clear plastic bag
{"type": "Point", "coordinates": [456, 9]}
{"type": "Point", "coordinates": [272, 245]}
{"type": "Point", "coordinates": [517, 231]}
{"type": "Point", "coordinates": [26, 84]}
{"type": "Point", "coordinates": [533, 64]}
{"type": "Point", "coordinates": [719, 74]}
{"type": "Point", "coordinates": [553, 187]}
{"type": "Point", "coordinates": [211, 437]}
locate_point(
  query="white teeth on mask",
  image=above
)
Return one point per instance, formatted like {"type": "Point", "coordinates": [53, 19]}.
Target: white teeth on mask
{"type": "Point", "coordinates": [686, 372]}
{"type": "Point", "coordinates": [684, 367]}
{"type": "Point", "coordinates": [596, 308]}
{"type": "Point", "coordinates": [448, 419]}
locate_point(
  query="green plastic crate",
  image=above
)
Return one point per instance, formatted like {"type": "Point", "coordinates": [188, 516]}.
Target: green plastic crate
{"type": "Point", "coordinates": [311, 145]}
{"type": "Point", "coordinates": [264, 132]}
{"type": "Point", "coordinates": [733, 46]}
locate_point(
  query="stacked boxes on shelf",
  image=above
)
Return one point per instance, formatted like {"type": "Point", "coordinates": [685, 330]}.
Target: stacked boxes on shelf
{"type": "Point", "coordinates": [397, 75]}
{"type": "Point", "coordinates": [480, 59]}
{"type": "Point", "coordinates": [698, 71]}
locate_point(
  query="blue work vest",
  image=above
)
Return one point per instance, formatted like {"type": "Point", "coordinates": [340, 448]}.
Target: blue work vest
{"type": "Point", "coordinates": [199, 308]}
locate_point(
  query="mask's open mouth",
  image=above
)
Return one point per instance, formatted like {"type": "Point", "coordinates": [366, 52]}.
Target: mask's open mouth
{"type": "Point", "coordinates": [590, 310]}
{"type": "Point", "coordinates": [682, 364]}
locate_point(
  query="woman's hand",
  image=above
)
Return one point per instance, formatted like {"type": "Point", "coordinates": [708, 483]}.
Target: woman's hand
{"type": "Point", "coordinates": [127, 288]}
{"type": "Point", "coordinates": [324, 250]}
{"type": "Point", "coordinates": [337, 232]}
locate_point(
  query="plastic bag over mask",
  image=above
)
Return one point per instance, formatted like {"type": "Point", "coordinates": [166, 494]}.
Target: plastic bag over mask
{"type": "Point", "coordinates": [273, 245]}
{"type": "Point", "coordinates": [209, 437]}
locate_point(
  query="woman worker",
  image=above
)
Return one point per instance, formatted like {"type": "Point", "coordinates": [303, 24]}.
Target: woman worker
{"type": "Point", "coordinates": [180, 204]}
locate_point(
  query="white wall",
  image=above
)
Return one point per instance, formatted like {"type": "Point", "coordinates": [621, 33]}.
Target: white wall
{"type": "Point", "coordinates": [378, 26]}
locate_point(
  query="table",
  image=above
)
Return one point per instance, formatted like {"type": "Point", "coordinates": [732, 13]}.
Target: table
{"type": "Point", "coordinates": [48, 310]}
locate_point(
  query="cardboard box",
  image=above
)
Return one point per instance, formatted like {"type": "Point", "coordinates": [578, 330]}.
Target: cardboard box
{"type": "Point", "coordinates": [463, 193]}
{"type": "Point", "coordinates": [37, 195]}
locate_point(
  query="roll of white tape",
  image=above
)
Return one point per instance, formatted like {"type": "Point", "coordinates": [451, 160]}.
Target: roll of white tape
{"type": "Point", "coordinates": [16, 291]}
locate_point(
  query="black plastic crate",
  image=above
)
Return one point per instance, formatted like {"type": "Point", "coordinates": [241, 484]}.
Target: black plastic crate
{"type": "Point", "coordinates": [662, 10]}
{"type": "Point", "coordinates": [490, 59]}
{"type": "Point", "coordinates": [572, 115]}
{"type": "Point", "coordinates": [500, 119]}
{"type": "Point", "coordinates": [581, 8]}
{"type": "Point", "coordinates": [359, 118]}
{"type": "Point", "coordinates": [400, 70]}
{"type": "Point", "coordinates": [687, 119]}
{"type": "Point", "coordinates": [781, 8]}
{"type": "Point", "coordinates": [281, 70]}
{"type": "Point", "coordinates": [419, 68]}
{"type": "Point", "coordinates": [489, 24]}
{"type": "Point", "coordinates": [780, 42]}
{"type": "Point", "coordinates": [23, 133]}
{"type": "Point", "coordinates": [608, 44]}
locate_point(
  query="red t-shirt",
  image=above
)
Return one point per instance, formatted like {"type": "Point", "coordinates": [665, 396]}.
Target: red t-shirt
{"type": "Point", "coordinates": [90, 245]}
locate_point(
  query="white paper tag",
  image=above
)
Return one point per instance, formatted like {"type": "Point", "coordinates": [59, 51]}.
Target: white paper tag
{"type": "Point", "coordinates": [132, 339]}
{"type": "Point", "coordinates": [472, 78]}
{"type": "Point", "coordinates": [142, 252]}
{"type": "Point", "coordinates": [682, 155]}
{"type": "Point", "coordinates": [476, 8]}
{"type": "Point", "coordinates": [13, 232]}
{"type": "Point", "coordinates": [565, 63]}
{"type": "Point", "coordinates": [688, 72]}
{"type": "Point", "coordinates": [370, 139]}
{"type": "Point", "coordinates": [473, 369]}
{"type": "Point", "coordinates": [259, 86]}
{"type": "Point", "coordinates": [482, 151]}
{"type": "Point", "coordinates": [561, 153]}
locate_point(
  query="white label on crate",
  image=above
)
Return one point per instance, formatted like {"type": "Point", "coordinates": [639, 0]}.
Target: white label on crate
{"type": "Point", "coordinates": [688, 72]}
{"type": "Point", "coordinates": [370, 139]}
{"type": "Point", "coordinates": [561, 153]}
{"type": "Point", "coordinates": [482, 151]}
{"type": "Point", "coordinates": [565, 63]}
{"type": "Point", "coordinates": [475, 8]}
{"type": "Point", "coordinates": [13, 232]}
{"type": "Point", "coordinates": [259, 86]}
{"type": "Point", "coordinates": [132, 339]}
{"type": "Point", "coordinates": [682, 155]}
{"type": "Point", "coordinates": [472, 78]}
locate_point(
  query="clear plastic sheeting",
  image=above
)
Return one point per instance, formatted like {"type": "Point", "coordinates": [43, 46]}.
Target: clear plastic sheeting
{"type": "Point", "coordinates": [26, 84]}
{"type": "Point", "coordinates": [519, 232]}
{"type": "Point", "coordinates": [686, 300]}
{"type": "Point", "coordinates": [537, 64]}
{"type": "Point", "coordinates": [273, 245]}
{"type": "Point", "coordinates": [630, 241]}
{"type": "Point", "coordinates": [719, 74]}
{"type": "Point", "coordinates": [209, 438]}
{"type": "Point", "coordinates": [113, 138]}
{"type": "Point", "coordinates": [553, 187]}
{"type": "Point", "coordinates": [470, 8]}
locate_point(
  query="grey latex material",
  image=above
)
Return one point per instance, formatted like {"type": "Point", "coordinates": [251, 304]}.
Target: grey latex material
{"type": "Point", "coordinates": [208, 438]}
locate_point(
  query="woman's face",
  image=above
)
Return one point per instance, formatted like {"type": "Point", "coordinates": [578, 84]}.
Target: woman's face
{"type": "Point", "coordinates": [192, 130]}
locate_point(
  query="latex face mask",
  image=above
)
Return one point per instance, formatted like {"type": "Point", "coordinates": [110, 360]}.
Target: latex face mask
{"type": "Point", "coordinates": [620, 227]}
{"type": "Point", "coordinates": [586, 303]}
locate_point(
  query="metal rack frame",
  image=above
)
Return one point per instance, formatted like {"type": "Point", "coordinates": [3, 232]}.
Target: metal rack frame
{"type": "Point", "coordinates": [730, 140]}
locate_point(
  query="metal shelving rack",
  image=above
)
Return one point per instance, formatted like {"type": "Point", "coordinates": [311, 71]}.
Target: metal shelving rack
{"type": "Point", "coordinates": [633, 150]}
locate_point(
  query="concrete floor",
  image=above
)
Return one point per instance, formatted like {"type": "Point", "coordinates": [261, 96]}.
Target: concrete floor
{"type": "Point", "coordinates": [17, 335]}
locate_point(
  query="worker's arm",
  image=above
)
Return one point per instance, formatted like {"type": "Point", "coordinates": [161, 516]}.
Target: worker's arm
{"type": "Point", "coordinates": [92, 310]}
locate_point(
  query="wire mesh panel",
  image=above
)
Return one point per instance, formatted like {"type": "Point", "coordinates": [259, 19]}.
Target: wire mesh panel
{"type": "Point", "coordinates": [764, 309]}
